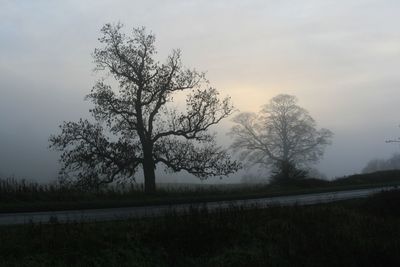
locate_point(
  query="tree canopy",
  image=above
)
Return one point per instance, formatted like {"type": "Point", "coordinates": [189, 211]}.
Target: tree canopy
{"type": "Point", "coordinates": [282, 136]}
{"type": "Point", "coordinates": [136, 125]}
{"type": "Point", "coordinates": [374, 165]}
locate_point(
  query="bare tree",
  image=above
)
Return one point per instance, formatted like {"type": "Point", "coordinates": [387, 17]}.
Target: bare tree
{"type": "Point", "coordinates": [392, 163]}
{"type": "Point", "coordinates": [134, 126]}
{"type": "Point", "coordinates": [282, 136]}
{"type": "Point", "coordinates": [375, 165]}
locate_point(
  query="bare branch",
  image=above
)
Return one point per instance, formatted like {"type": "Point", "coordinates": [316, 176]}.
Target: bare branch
{"type": "Point", "coordinates": [204, 161]}
{"type": "Point", "coordinates": [88, 154]}
{"type": "Point", "coordinates": [283, 135]}
{"type": "Point", "coordinates": [136, 115]}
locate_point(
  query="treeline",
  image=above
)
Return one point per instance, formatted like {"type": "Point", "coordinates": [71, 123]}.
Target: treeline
{"type": "Point", "coordinates": [392, 163]}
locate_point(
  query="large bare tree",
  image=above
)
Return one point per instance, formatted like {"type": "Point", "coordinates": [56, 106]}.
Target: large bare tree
{"type": "Point", "coordinates": [136, 125]}
{"type": "Point", "coordinates": [282, 136]}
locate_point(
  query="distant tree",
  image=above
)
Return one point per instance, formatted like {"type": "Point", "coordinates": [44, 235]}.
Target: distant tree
{"type": "Point", "coordinates": [375, 165]}
{"type": "Point", "coordinates": [392, 163]}
{"type": "Point", "coordinates": [283, 136]}
{"type": "Point", "coordinates": [383, 164]}
{"type": "Point", "coordinates": [134, 126]}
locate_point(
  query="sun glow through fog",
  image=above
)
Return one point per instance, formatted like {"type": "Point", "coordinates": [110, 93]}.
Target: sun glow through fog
{"type": "Point", "coordinates": [341, 59]}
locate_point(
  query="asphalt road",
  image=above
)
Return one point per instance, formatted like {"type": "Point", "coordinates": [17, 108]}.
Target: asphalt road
{"type": "Point", "coordinates": [147, 211]}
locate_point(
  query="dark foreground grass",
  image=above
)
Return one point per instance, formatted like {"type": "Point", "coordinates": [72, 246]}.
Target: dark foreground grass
{"type": "Point", "coordinates": [357, 233]}
{"type": "Point", "coordinates": [20, 195]}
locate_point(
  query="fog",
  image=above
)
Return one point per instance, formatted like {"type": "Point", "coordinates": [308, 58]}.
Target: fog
{"type": "Point", "coordinates": [340, 58]}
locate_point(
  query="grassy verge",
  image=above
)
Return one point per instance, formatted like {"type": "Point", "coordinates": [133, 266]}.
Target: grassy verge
{"type": "Point", "coordinates": [353, 233]}
{"type": "Point", "coordinates": [161, 199]}
{"type": "Point", "coordinates": [21, 196]}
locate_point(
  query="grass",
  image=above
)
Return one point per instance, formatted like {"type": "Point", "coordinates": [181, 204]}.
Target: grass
{"type": "Point", "coordinates": [354, 233]}
{"type": "Point", "coordinates": [21, 195]}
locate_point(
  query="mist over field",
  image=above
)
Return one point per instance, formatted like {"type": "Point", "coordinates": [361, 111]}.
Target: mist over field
{"type": "Point", "coordinates": [341, 59]}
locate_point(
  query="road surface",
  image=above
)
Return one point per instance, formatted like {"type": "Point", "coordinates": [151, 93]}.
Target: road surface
{"type": "Point", "coordinates": [147, 211]}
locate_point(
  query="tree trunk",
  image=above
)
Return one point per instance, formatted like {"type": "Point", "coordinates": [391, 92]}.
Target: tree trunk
{"type": "Point", "coordinates": [285, 170]}
{"type": "Point", "coordinates": [149, 173]}
{"type": "Point", "coordinates": [149, 178]}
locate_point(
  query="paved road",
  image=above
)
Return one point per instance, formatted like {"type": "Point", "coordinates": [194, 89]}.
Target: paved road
{"type": "Point", "coordinates": [137, 212]}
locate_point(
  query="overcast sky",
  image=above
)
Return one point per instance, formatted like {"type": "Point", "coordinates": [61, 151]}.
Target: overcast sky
{"type": "Point", "coordinates": [341, 58]}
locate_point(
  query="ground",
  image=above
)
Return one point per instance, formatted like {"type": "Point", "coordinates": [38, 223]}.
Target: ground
{"type": "Point", "coordinates": [352, 233]}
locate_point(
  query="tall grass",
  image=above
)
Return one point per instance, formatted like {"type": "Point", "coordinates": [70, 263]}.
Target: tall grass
{"type": "Point", "coordinates": [24, 195]}
{"type": "Point", "coordinates": [12, 189]}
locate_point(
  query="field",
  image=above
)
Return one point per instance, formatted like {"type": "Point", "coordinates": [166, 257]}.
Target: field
{"type": "Point", "coordinates": [352, 233]}
{"type": "Point", "coordinates": [18, 196]}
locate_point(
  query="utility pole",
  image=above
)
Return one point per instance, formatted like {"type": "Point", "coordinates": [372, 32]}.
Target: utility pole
{"type": "Point", "coordinates": [393, 141]}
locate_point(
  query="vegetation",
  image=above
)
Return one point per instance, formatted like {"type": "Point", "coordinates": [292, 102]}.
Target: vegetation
{"type": "Point", "coordinates": [20, 195]}
{"type": "Point", "coordinates": [282, 136]}
{"type": "Point", "coordinates": [357, 233]}
{"type": "Point", "coordinates": [375, 165]}
{"type": "Point", "coordinates": [137, 124]}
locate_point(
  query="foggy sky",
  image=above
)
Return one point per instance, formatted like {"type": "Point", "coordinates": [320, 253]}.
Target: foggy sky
{"type": "Point", "coordinates": [340, 58]}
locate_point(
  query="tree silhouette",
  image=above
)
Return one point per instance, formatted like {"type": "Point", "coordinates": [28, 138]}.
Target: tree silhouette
{"type": "Point", "coordinates": [392, 163]}
{"type": "Point", "coordinates": [282, 136]}
{"type": "Point", "coordinates": [136, 125]}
